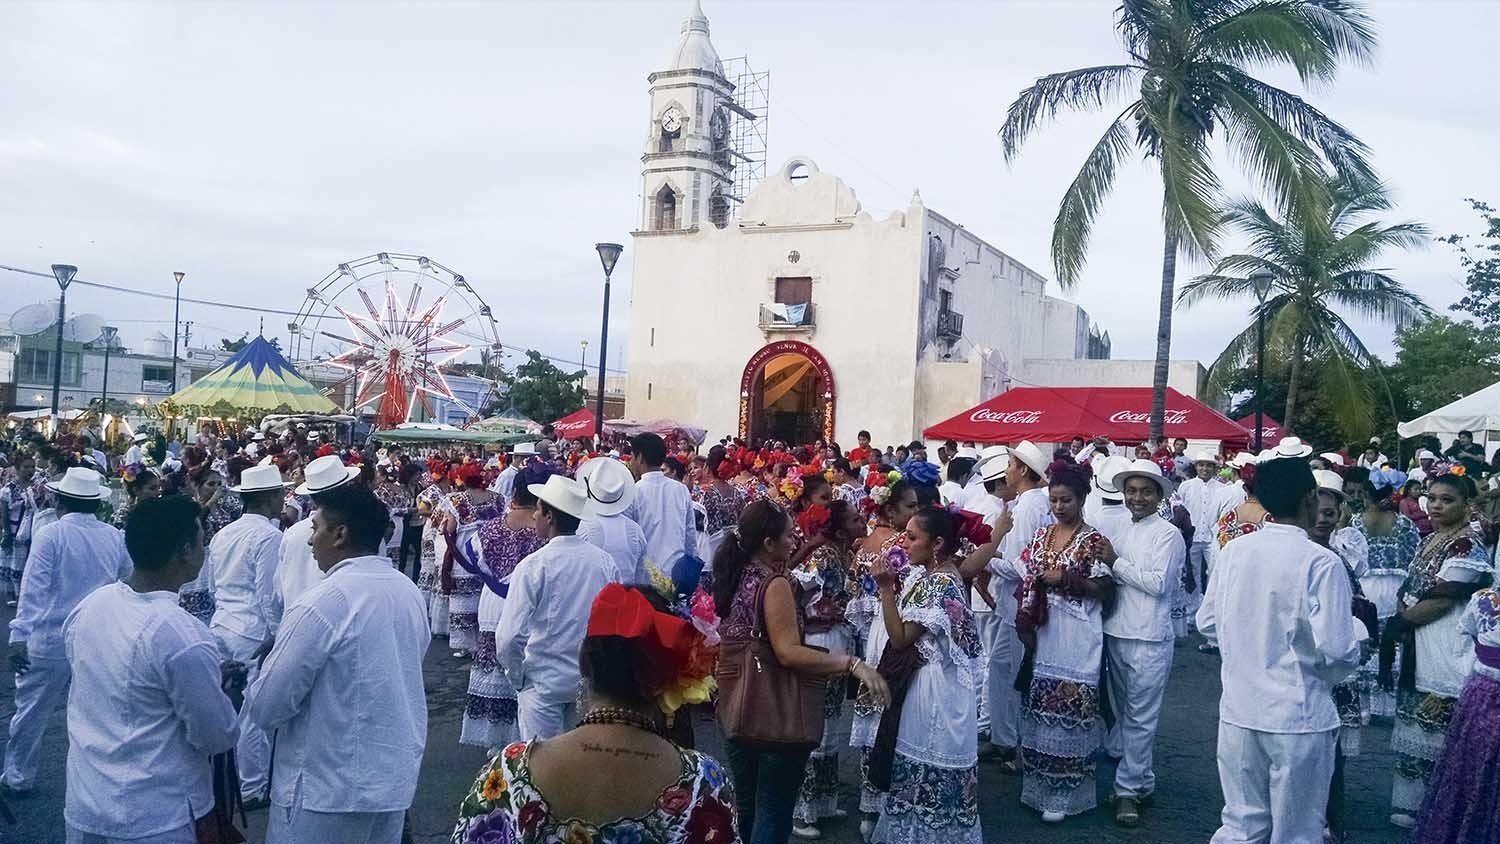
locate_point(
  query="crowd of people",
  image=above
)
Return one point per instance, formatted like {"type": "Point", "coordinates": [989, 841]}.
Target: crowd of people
{"type": "Point", "coordinates": [1009, 603]}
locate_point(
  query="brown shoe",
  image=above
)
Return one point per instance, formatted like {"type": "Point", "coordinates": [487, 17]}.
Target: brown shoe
{"type": "Point", "coordinates": [1127, 812]}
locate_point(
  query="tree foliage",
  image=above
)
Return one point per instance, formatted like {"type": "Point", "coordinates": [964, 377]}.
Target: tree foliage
{"type": "Point", "coordinates": [236, 345]}
{"type": "Point", "coordinates": [1319, 256]}
{"type": "Point", "coordinates": [542, 391]}
{"type": "Point", "coordinates": [1442, 360]}
{"type": "Point", "coordinates": [1189, 65]}
{"type": "Point", "coordinates": [1480, 258]}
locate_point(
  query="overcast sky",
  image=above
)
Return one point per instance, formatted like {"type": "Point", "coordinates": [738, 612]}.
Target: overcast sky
{"type": "Point", "coordinates": [256, 145]}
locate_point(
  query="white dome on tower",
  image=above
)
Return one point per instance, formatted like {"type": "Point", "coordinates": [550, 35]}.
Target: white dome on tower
{"type": "Point", "coordinates": [694, 50]}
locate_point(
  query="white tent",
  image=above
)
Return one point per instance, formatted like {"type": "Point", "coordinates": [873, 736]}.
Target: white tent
{"type": "Point", "coordinates": [1478, 412]}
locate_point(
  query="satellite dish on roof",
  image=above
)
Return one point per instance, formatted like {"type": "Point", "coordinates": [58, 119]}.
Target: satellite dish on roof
{"type": "Point", "coordinates": [83, 328]}
{"type": "Point", "coordinates": [34, 319]}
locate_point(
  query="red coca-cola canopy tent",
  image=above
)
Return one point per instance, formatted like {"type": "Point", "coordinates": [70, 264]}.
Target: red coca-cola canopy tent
{"type": "Point", "coordinates": [1271, 431]}
{"type": "Point", "coordinates": [1057, 414]}
{"type": "Point", "coordinates": [575, 426]}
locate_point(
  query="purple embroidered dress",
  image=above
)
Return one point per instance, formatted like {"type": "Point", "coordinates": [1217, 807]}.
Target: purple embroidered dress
{"type": "Point", "coordinates": [490, 713]}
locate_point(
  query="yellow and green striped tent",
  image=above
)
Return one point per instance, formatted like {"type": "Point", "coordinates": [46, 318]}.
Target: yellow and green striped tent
{"type": "Point", "coordinates": [256, 381]}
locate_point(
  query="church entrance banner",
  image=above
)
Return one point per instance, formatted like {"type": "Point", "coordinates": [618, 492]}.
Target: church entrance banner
{"type": "Point", "coordinates": [787, 393]}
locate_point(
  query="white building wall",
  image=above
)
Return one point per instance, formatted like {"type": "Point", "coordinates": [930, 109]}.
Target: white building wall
{"type": "Point", "coordinates": [697, 295]}
{"type": "Point", "coordinates": [1185, 376]}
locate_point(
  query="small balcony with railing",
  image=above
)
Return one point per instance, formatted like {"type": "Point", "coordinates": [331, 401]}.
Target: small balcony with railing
{"type": "Point", "coordinates": [779, 317]}
{"type": "Point", "coordinates": [950, 325]}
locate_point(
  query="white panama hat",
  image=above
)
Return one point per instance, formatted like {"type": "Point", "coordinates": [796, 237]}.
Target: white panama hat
{"type": "Point", "coordinates": [1330, 482]}
{"type": "Point", "coordinates": [1243, 459]}
{"type": "Point", "coordinates": [1144, 469]}
{"type": "Point", "coordinates": [80, 483]}
{"type": "Point", "coordinates": [967, 452]}
{"type": "Point", "coordinates": [260, 479]}
{"type": "Point", "coordinates": [608, 484]}
{"type": "Point", "coordinates": [993, 468]}
{"type": "Point", "coordinates": [1206, 456]}
{"type": "Point", "coordinates": [1333, 457]}
{"type": "Point", "coordinates": [1031, 457]}
{"type": "Point", "coordinates": [140, 437]}
{"type": "Point", "coordinates": [1104, 478]}
{"type": "Point", "coordinates": [562, 493]}
{"type": "Point", "coordinates": [1288, 447]}
{"type": "Point", "coordinates": [324, 474]}
{"type": "Point", "coordinates": [526, 449]}
{"type": "Point", "coordinates": [1425, 454]}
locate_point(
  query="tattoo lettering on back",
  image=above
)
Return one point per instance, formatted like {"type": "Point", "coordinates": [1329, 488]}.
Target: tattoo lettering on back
{"type": "Point", "coordinates": [590, 747]}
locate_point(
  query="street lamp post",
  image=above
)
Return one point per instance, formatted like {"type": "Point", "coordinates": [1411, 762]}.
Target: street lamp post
{"type": "Point", "coordinates": [1262, 279]}
{"type": "Point", "coordinates": [609, 253]}
{"type": "Point", "coordinates": [176, 314]}
{"type": "Point", "coordinates": [583, 366]}
{"type": "Point", "coordinates": [64, 274]}
{"type": "Point", "coordinates": [109, 340]}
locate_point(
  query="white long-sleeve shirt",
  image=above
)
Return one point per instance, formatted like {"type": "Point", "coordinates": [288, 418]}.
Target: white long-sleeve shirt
{"type": "Point", "coordinates": [342, 690]}
{"type": "Point", "coordinates": [245, 554]}
{"type": "Point", "coordinates": [664, 510]}
{"type": "Point", "coordinates": [1030, 511]}
{"type": "Point", "coordinates": [1150, 554]}
{"type": "Point", "coordinates": [546, 613]}
{"type": "Point", "coordinates": [623, 541]}
{"type": "Point", "coordinates": [1200, 497]}
{"type": "Point", "coordinates": [70, 558]}
{"type": "Point", "coordinates": [1278, 605]}
{"type": "Point", "coordinates": [1226, 498]}
{"type": "Point", "coordinates": [145, 714]}
{"type": "Point", "coordinates": [296, 570]}
{"type": "Point", "coordinates": [505, 484]}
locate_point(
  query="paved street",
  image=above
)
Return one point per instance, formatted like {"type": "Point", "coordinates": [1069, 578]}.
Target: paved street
{"type": "Point", "coordinates": [1186, 809]}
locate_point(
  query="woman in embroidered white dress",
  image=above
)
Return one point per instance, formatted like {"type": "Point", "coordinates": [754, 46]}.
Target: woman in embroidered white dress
{"type": "Point", "coordinates": [1065, 582]}
{"type": "Point", "coordinates": [934, 777]}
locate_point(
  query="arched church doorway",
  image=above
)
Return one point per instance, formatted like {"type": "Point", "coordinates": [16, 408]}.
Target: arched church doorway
{"type": "Point", "coordinates": [787, 393]}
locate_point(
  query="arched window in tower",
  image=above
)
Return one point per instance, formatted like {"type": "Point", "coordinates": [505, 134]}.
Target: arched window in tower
{"type": "Point", "coordinates": [718, 209]}
{"type": "Point", "coordinates": [666, 209]}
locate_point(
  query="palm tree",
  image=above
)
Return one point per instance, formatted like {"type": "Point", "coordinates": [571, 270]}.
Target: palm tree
{"type": "Point", "coordinates": [1189, 62]}
{"type": "Point", "coordinates": [1318, 257]}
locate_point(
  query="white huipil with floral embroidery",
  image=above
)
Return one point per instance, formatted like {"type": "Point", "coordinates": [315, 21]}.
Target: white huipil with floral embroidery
{"type": "Point", "coordinates": [934, 780]}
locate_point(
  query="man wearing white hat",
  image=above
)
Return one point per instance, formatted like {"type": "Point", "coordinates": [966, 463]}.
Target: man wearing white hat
{"type": "Point", "coordinates": [1026, 474]}
{"type": "Point", "coordinates": [1425, 460]}
{"type": "Point", "coordinates": [296, 570]}
{"type": "Point", "coordinates": [611, 490]}
{"type": "Point", "coordinates": [70, 558]}
{"type": "Point", "coordinates": [134, 454]}
{"type": "Point", "coordinates": [1104, 509]}
{"type": "Point", "coordinates": [244, 556]}
{"type": "Point", "coordinates": [547, 611]}
{"type": "Point", "coordinates": [957, 473]}
{"type": "Point", "coordinates": [252, 448]}
{"type": "Point", "coordinates": [342, 690]}
{"type": "Point", "coordinates": [1138, 634]}
{"type": "Point", "coordinates": [504, 485]}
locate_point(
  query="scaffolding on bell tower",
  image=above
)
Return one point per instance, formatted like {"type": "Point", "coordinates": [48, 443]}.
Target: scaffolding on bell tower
{"type": "Point", "coordinates": [749, 125]}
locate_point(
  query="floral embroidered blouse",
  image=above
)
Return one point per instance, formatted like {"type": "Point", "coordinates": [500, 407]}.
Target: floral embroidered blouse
{"type": "Point", "coordinates": [504, 806]}
{"type": "Point", "coordinates": [722, 508]}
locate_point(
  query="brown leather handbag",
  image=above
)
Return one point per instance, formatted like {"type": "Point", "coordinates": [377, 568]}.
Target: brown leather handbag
{"type": "Point", "coordinates": [761, 701]}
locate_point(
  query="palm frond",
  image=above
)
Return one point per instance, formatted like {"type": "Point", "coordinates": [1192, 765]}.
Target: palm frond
{"type": "Point", "coordinates": [1239, 352]}
{"type": "Point", "coordinates": [1142, 23]}
{"type": "Point", "coordinates": [1271, 238]}
{"type": "Point", "coordinates": [1082, 89]}
{"type": "Point", "coordinates": [1375, 295]}
{"type": "Point", "coordinates": [1286, 166]}
{"type": "Point", "coordinates": [1344, 26]}
{"type": "Point", "coordinates": [1080, 204]}
{"type": "Point", "coordinates": [1346, 152]}
{"type": "Point", "coordinates": [1269, 33]}
{"type": "Point", "coordinates": [1245, 264]}
{"type": "Point", "coordinates": [1190, 191]}
{"type": "Point", "coordinates": [1213, 286]}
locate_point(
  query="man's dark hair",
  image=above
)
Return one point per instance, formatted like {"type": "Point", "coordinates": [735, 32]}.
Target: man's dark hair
{"type": "Point", "coordinates": [959, 467]}
{"type": "Point", "coordinates": [566, 523]}
{"type": "Point", "coordinates": [865, 434]}
{"type": "Point", "coordinates": [68, 504]}
{"type": "Point", "coordinates": [355, 506]}
{"type": "Point", "coordinates": [1282, 485]}
{"type": "Point", "coordinates": [650, 447]}
{"type": "Point", "coordinates": [259, 498]}
{"type": "Point", "coordinates": [1469, 434]}
{"type": "Point", "coordinates": [158, 528]}
{"type": "Point", "coordinates": [842, 465]}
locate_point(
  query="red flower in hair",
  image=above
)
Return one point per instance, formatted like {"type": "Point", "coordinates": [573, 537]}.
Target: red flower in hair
{"type": "Point", "coordinates": [324, 450]}
{"type": "Point", "coordinates": [812, 519]}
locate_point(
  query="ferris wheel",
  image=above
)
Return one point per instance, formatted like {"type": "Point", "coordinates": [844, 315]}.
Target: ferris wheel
{"type": "Point", "coordinates": [391, 320]}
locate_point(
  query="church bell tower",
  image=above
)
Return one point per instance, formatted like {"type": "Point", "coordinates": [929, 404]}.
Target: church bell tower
{"type": "Point", "coordinates": [687, 171]}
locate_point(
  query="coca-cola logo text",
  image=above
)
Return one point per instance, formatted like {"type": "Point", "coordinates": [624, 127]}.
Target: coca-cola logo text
{"type": "Point", "coordinates": [1013, 417]}
{"type": "Point", "coordinates": [1173, 417]}
{"type": "Point", "coordinates": [571, 426]}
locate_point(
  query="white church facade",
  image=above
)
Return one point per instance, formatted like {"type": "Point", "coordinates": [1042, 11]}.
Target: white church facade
{"type": "Point", "coordinates": [792, 313]}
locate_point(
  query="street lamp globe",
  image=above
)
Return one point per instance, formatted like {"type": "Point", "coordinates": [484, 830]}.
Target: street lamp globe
{"type": "Point", "coordinates": [609, 253]}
